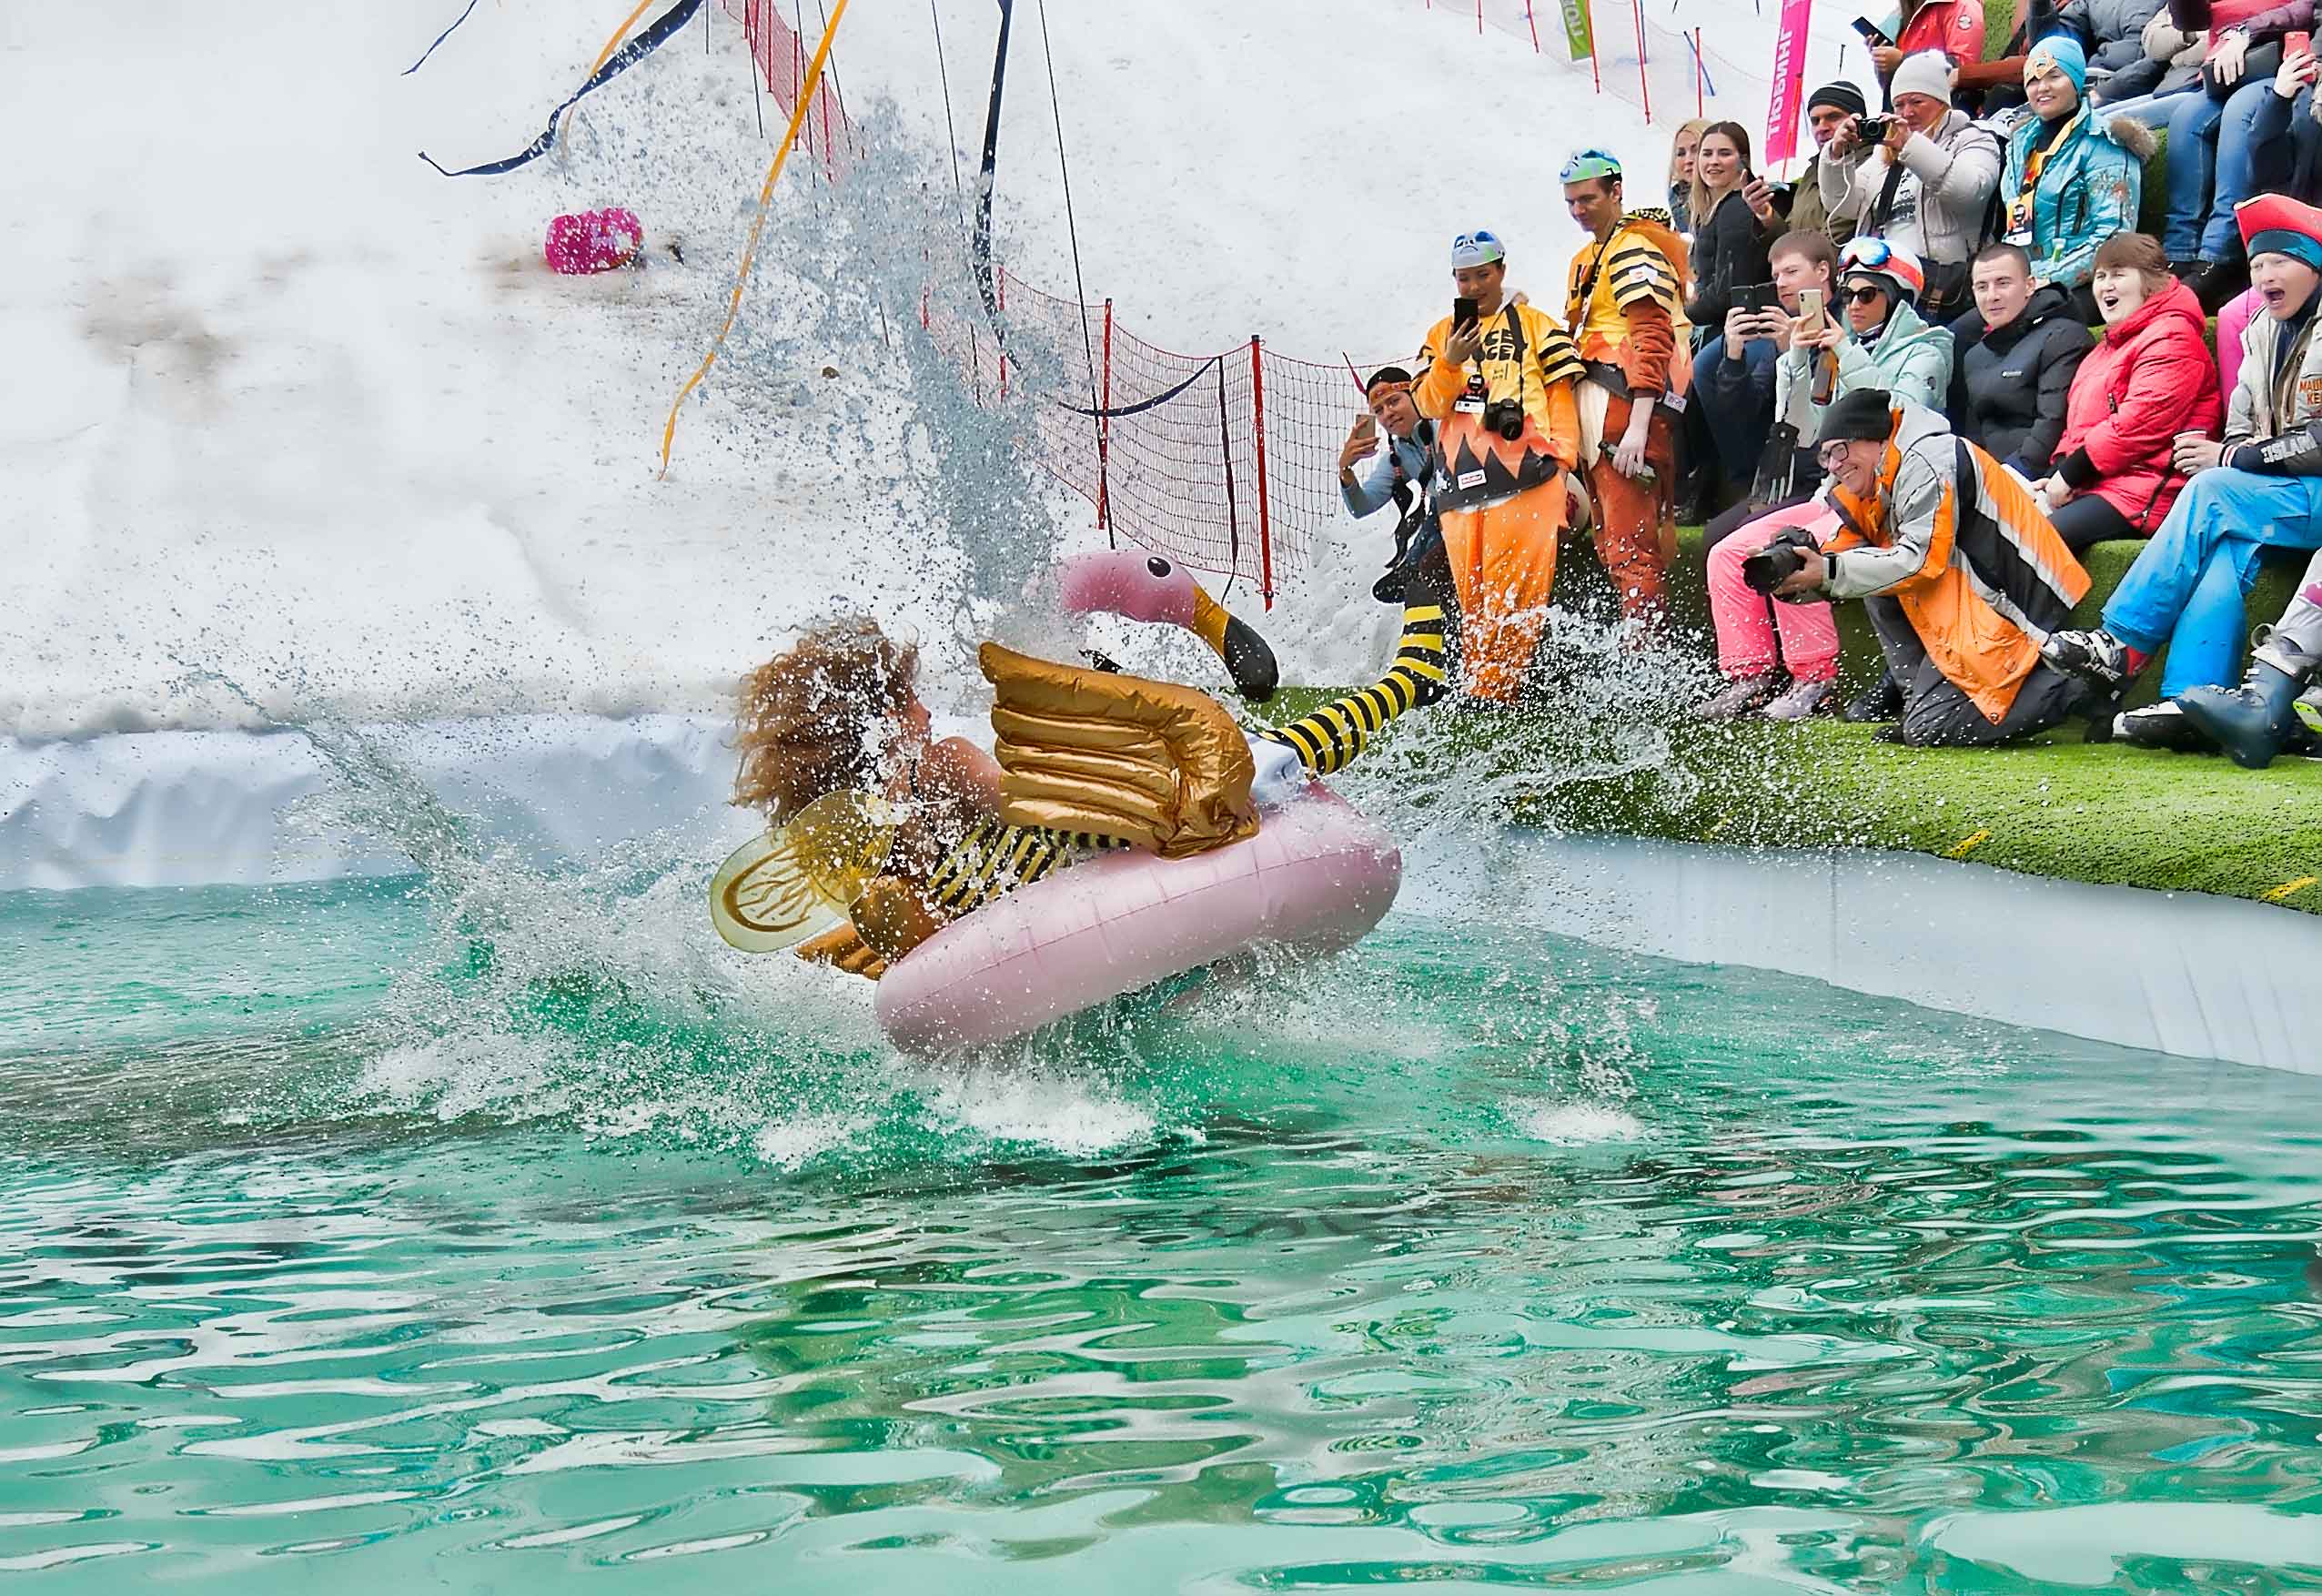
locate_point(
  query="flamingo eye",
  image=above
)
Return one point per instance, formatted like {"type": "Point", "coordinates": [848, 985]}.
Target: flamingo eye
{"type": "Point", "coordinates": [1158, 566]}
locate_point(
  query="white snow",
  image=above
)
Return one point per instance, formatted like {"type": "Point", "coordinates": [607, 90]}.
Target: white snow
{"type": "Point", "coordinates": [286, 406]}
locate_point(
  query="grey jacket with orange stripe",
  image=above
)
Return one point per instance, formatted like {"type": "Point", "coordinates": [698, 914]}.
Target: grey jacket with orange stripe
{"type": "Point", "coordinates": [1965, 549]}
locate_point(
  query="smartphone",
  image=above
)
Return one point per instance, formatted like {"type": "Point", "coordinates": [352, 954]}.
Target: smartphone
{"type": "Point", "coordinates": [1757, 298]}
{"type": "Point", "coordinates": [1871, 33]}
{"type": "Point", "coordinates": [1463, 312]}
{"type": "Point", "coordinates": [2296, 44]}
{"type": "Point", "coordinates": [1810, 304]}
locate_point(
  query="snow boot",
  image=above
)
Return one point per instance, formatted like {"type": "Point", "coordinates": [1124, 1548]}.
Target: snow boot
{"type": "Point", "coordinates": [2252, 723]}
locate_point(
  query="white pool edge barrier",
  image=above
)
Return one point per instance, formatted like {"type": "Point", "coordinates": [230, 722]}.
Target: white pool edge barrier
{"type": "Point", "coordinates": [210, 808]}
{"type": "Point", "coordinates": [2181, 973]}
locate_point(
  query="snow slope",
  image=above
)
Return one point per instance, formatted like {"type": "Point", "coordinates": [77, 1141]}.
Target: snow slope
{"type": "Point", "coordinates": [290, 409]}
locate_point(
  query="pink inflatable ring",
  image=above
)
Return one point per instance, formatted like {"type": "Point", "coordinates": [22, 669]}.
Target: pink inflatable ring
{"type": "Point", "coordinates": [1317, 877]}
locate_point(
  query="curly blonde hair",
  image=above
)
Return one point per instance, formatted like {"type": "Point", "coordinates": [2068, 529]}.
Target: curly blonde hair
{"type": "Point", "coordinates": [808, 721]}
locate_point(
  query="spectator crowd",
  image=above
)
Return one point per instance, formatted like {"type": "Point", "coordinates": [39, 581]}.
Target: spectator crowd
{"type": "Point", "coordinates": [1927, 375]}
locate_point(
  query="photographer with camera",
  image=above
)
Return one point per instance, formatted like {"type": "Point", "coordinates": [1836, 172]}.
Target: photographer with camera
{"type": "Point", "coordinates": [1498, 380]}
{"type": "Point", "coordinates": [1881, 343]}
{"type": "Point", "coordinates": [1928, 182]}
{"type": "Point", "coordinates": [1622, 298]}
{"type": "Point", "coordinates": [1965, 577]}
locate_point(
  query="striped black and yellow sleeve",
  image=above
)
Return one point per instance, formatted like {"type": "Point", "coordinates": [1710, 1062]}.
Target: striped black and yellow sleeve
{"type": "Point", "coordinates": [1327, 739]}
{"type": "Point", "coordinates": [996, 858]}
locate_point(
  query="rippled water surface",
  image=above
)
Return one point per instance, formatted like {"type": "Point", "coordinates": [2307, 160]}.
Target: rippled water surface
{"type": "Point", "coordinates": [345, 1247]}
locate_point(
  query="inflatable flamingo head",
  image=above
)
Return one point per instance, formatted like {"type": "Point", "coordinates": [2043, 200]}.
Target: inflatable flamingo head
{"type": "Point", "coordinates": [1150, 587]}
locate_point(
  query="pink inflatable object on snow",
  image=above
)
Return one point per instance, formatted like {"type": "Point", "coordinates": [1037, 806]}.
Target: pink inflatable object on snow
{"type": "Point", "coordinates": [1123, 582]}
{"type": "Point", "coordinates": [2232, 322]}
{"type": "Point", "coordinates": [1317, 877]}
{"type": "Point", "coordinates": [594, 240]}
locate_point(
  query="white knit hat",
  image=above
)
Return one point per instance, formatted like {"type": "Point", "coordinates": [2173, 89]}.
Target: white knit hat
{"type": "Point", "coordinates": [1927, 72]}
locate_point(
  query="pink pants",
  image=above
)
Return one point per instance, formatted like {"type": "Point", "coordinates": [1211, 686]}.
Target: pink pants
{"type": "Point", "coordinates": [1747, 620]}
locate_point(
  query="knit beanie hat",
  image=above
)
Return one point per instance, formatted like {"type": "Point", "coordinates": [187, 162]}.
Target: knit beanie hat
{"type": "Point", "coordinates": [1864, 415]}
{"type": "Point", "coordinates": [2059, 52]}
{"type": "Point", "coordinates": [1845, 95]}
{"type": "Point", "coordinates": [1924, 72]}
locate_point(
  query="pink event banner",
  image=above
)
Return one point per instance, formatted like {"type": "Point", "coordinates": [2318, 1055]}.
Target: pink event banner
{"type": "Point", "coordinates": [1789, 83]}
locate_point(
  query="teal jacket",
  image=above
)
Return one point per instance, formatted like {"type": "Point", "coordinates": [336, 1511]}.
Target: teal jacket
{"type": "Point", "coordinates": [1908, 358]}
{"type": "Point", "coordinates": [2089, 189]}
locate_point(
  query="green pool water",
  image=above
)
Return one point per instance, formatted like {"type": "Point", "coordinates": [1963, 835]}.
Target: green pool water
{"type": "Point", "coordinates": [362, 1238]}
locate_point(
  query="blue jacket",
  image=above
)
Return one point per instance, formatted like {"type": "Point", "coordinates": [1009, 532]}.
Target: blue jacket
{"type": "Point", "coordinates": [1375, 491]}
{"type": "Point", "coordinates": [2089, 189]}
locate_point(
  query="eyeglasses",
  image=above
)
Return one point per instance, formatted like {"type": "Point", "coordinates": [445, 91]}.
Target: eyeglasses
{"type": "Point", "coordinates": [1831, 455]}
{"type": "Point", "coordinates": [1862, 296]}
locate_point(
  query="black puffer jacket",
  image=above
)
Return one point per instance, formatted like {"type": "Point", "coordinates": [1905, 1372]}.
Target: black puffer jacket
{"type": "Point", "coordinates": [2009, 387]}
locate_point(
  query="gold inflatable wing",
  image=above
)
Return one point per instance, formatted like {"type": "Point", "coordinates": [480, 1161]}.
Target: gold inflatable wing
{"type": "Point", "coordinates": [1158, 765]}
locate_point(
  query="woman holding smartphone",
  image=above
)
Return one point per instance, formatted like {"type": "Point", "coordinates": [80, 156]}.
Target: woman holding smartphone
{"type": "Point", "coordinates": [1729, 254]}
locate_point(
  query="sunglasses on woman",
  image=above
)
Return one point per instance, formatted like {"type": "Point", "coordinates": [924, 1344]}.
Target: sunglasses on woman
{"type": "Point", "coordinates": [1861, 295]}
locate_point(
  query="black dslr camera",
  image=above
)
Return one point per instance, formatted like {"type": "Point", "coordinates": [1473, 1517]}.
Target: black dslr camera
{"type": "Point", "coordinates": [1778, 561]}
{"type": "Point", "coordinates": [1505, 416]}
{"type": "Point", "coordinates": [1874, 129]}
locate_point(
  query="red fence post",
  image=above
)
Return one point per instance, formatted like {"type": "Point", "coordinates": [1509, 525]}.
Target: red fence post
{"type": "Point", "coordinates": [1105, 432]}
{"type": "Point", "coordinates": [1257, 425]}
{"type": "Point", "coordinates": [1644, 88]}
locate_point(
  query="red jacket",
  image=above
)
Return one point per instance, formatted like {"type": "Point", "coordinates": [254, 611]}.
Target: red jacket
{"type": "Point", "coordinates": [2146, 380]}
{"type": "Point", "coordinates": [1953, 26]}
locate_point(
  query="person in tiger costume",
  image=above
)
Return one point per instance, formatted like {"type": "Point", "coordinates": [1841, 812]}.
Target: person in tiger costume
{"type": "Point", "coordinates": [1500, 386]}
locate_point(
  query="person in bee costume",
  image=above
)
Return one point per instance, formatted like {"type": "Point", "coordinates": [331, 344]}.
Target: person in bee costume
{"type": "Point", "coordinates": [1499, 382]}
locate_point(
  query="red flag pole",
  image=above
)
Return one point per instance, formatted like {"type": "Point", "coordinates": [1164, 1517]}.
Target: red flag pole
{"type": "Point", "coordinates": [1700, 78]}
{"type": "Point", "coordinates": [1596, 73]}
{"type": "Point", "coordinates": [1533, 22]}
{"type": "Point", "coordinates": [1644, 87]}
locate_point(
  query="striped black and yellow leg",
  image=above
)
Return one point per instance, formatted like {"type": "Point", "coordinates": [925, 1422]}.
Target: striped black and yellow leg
{"type": "Point", "coordinates": [1328, 739]}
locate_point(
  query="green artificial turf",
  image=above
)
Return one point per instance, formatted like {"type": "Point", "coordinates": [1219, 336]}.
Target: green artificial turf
{"type": "Point", "coordinates": [2056, 806]}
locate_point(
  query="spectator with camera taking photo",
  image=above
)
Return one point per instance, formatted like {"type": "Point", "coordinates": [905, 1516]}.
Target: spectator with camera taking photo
{"type": "Point", "coordinates": [1404, 471]}
{"type": "Point", "coordinates": [1828, 109]}
{"type": "Point", "coordinates": [1927, 184]}
{"type": "Point", "coordinates": [1497, 378]}
{"type": "Point", "coordinates": [1752, 634]}
{"type": "Point", "coordinates": [1962, 576]}
{"type": "Point", "coordinates": [1879, 344]}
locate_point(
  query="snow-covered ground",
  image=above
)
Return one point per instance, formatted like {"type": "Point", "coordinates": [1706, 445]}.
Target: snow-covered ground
{"type": "Point", "coordinates": [287, 409]}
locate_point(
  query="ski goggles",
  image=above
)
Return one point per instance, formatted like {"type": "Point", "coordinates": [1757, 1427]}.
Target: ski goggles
{"type": "Point", "coordinates": [1870, 254]}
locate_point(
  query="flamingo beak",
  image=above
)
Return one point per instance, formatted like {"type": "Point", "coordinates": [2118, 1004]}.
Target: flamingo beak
{"type": "Point", "coordinates": [1247, 658]}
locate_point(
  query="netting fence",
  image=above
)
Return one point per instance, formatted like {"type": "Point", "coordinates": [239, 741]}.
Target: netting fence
{"type": "Point", "coordinates": [1226, 462]}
